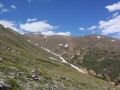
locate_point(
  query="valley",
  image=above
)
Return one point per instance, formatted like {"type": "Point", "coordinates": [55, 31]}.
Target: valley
{"type": "Point", "coordinates": [25, 65]}
{"type": "Point", "coordinates": [96, 55]}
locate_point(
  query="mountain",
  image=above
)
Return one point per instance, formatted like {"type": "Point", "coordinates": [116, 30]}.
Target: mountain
{"type": "Point", "coordinates": [25, 66]}
{"type": "Point", "coordinates": [98, 55]}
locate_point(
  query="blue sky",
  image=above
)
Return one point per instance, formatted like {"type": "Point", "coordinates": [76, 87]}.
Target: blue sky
{"type": "Point", "coordinates": [62, 17]}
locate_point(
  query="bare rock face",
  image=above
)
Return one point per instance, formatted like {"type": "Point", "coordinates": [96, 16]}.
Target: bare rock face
{"type": "Point", "coordinates": [91, 72]}
{"type": "Point", "coordinates": [99, 75]}
{"type": "Point", "coordinates": [4, 85]}
{"type": "Point", "coordinates": [36, 74]}
{"type": "Point", "coordinates": [113, 83]}
{"type": "Point", "coordinates": [27, 86]}
{"type": "Point", "coordinates": [118, 86]}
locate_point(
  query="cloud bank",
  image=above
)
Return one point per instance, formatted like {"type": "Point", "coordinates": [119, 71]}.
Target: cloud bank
{"type": "Point", "coordinates": [4, 9]}
{"type": "Point", "coordinates": [42, 27]}
{"type": "Point", "coordinates": [112, 25]}
{"type": "Point", "coordinates": [113, 7]}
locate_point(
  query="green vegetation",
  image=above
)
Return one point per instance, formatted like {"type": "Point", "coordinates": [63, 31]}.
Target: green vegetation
{"type": "Point", "coordinates": [26, 67]}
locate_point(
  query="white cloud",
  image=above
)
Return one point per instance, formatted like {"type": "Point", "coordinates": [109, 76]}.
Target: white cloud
{"type": "Point", "coordinates": [111, 26]}
{"type": "Point", "coordinates": [31, 19]}
{"type": "Point", "coordinates": [93, 32]}
{"type": "Point", "coordinates": [64, 33]}
{"type": "Point", "coordinates": [81, 28]}
{"type": "Point", "coordinates": [38, 26]}
{"type": "Point", "coordinates": [42, 27]}
{"type": "Point", "coordinates": [92, 27]}
{"type": "Point", "coordinates": [113, 7]}
{"type": "Point", "coordinates": [115, 14]}
{"type": "Point", "coordinates": [9, 24]}
{"type": "Point", "coordinates": [13, 6]}
{"type": "Point", "coordinates": [48, 33]}
{"type": "Point", "coordinates": [1, 5]}
{"type": "Point", "coordinates": [56, 33]}
{"type": "Point", "coordinates": [4, 10]}
{"type": "Point", "coordinates": [117, 36]}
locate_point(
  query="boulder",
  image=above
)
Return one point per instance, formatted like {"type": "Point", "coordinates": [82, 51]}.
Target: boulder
{"type": "Point", "coordinates": [91, 72]}
{"type": "Point", "coordinates": [4, 85]}
{"type": "Point", "coordinates": [1, 59]}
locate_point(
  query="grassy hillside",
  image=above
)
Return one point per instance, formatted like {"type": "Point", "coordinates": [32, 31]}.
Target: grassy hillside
{"type": "Point", "coordinates": [102, 55]}
{"type": "Point", "coordinates": [23, 66]}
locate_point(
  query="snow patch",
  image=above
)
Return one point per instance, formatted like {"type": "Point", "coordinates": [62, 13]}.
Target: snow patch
{"type": "Point", "coordinates": [22, 33]}
{"type": "Point", "coordinates": [45, 37]}
{"type": "Point", "coordinates": [78, 54]}
{"type": "Point", "coordinates": [64, 61]}
{"type": "Point", "coordinates": [29, 40]}
{"type": "Point", "coordinates": [61, 45]}
{"type": "Point", "coordinates": [98, 37]}
{"type": "Point", "coordinates": [66, 45]}
{"type": "Point", "coordinates": [36, 44]}
{"type": "Point", "coordinates": [5, 26]}
{"type": "Point", "coordinates": [53, 58]}
{"type": "Point", "coordinates": [77, 68]}
{"type": "Point", "coordinates": [113, 40]}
